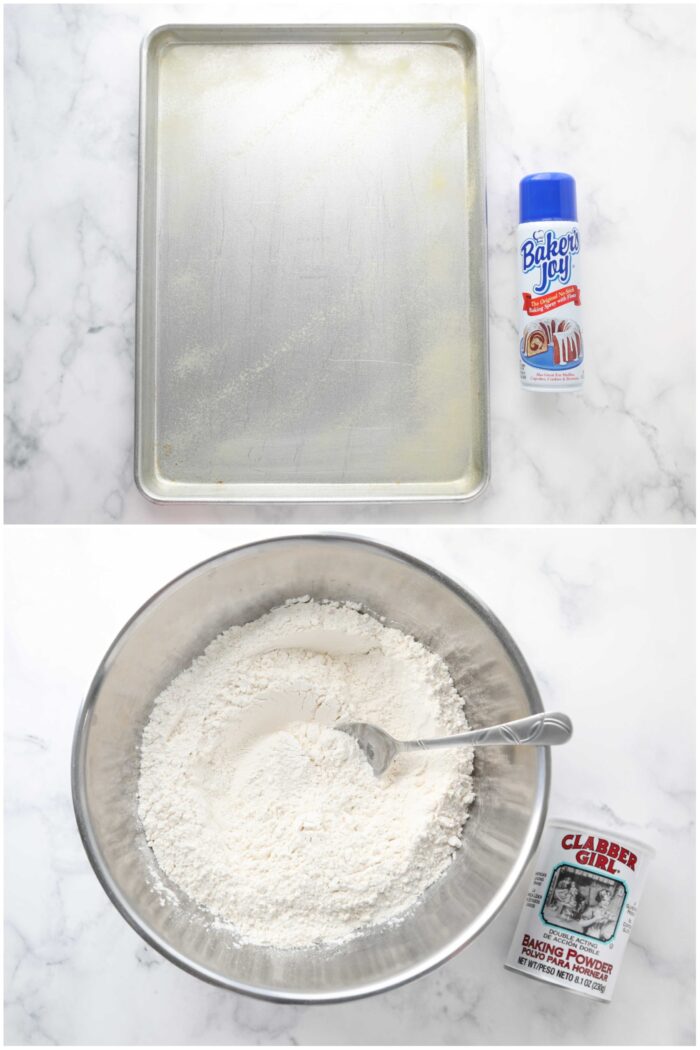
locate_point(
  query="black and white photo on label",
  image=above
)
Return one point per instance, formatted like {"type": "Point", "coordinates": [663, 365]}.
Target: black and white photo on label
{"type": "Point", "coordinates": [584, 902]}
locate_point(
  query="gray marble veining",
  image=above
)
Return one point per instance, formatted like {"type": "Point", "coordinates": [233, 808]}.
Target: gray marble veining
{"type": "Point", "coordinates": [604, 91]}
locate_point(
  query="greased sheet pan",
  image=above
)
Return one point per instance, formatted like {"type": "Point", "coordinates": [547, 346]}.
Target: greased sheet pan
{"type": "Point", "coordinates": [312, 319]}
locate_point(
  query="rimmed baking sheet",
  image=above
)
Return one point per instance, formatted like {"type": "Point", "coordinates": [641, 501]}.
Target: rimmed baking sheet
{"type": "Point", "coordinates": [312, 284]}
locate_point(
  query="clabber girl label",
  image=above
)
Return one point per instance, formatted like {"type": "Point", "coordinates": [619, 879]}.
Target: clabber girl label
{"type": "Point", "coordinates": [578, 913]}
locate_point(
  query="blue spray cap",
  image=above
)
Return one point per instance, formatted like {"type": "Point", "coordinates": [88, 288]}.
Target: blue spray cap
{"type": "Point", "coordinates": [547, 195]}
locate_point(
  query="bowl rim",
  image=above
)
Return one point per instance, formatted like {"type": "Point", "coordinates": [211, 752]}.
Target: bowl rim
{"type": "Point", "coordinates": [375, 987]}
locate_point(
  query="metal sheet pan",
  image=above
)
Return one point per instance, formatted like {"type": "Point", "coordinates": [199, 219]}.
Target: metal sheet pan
{"type": "Point", "coordinates": [312, 283]}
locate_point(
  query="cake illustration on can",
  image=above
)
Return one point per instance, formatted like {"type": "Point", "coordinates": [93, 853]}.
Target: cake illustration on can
{"type": "Point", "coordinates": [563, 337]}
{"type": "Point", "coordinates": [536, 339]}
{"type": "Point", "coordinates": [566, 342]}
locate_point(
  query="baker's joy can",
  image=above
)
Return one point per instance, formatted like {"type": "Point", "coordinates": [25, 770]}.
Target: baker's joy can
{"type": "Point", "coordinates": [579, 910]}
{"type": "Point", "coordinates": [551, 337]}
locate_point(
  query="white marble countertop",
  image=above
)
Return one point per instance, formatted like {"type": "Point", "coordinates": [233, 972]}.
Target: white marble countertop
{"type": "Point", "coordinates": [602, 91]}
{"type": "Point", "coordinates": [604, 617]}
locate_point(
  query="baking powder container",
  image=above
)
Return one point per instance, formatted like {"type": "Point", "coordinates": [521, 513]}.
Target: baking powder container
{"type": "Point", "coordinates": [551, 338]}
{"type": "Point", "coordinates": [579, 910]}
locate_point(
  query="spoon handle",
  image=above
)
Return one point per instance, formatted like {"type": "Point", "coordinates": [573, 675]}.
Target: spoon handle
{"type": "Point", "coordinates": [544, 730]}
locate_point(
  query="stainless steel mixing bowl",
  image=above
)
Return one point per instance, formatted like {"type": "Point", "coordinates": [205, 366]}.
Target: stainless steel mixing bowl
{"type": "Point", "coordinates": [237, 586]}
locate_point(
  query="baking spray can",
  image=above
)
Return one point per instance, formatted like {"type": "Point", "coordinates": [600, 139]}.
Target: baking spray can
{"type": "Point", "coordinates": [551, 339]}
{"type": "Point", "coordinates": [579, 910]}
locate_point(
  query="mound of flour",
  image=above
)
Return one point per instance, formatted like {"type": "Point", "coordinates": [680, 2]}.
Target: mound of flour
{"type": "Point", "coordinates": [272, 819]}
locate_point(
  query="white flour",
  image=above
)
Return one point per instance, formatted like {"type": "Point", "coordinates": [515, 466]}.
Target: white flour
{"type": "Point", "coordinates": [273, 820]}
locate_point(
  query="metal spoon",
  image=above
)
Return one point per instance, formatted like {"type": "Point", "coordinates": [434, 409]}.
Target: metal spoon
{"type": "Point", "coordinates": [380, 748]}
